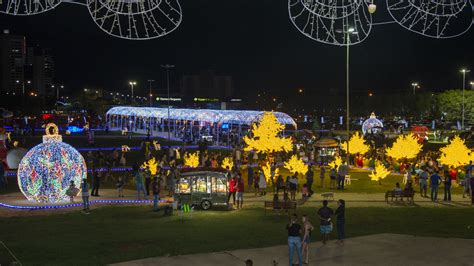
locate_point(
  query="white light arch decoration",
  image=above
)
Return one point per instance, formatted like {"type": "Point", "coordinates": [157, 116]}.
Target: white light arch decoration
{"type": "Point", "coordinates": [136, 19]}
{"type": "Point", "coordinates": [439, 19]}
{"type": "Point", "coordinates": [27, 7]}
{"type": "Point", "coordinates": [328, 21]}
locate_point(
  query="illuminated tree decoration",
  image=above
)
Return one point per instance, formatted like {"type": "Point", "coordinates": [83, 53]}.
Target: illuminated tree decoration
{"type": "Point", "coordinates": [227, 163]}
{"type": "Point", "coordinates": [191, 159]}
{"type": "Point", "coordinates": [380, 172]}
{"type": "Point", "coordinates": [267, 172]}
{"type": "Point", "coordinates": [405, 147]}
{"type": "Point", "coordinates": [46, 171]}
{"type": "Point", "coordinates": [151, 165]}
{"type": "Point", "coordinates": [336, 163]}
{"type": "Point", "coordinates": [356, 145]}
{"type": "Point", "coordinates": [295, 165]}
{"type": "Point", "coordinates": [265, 136]}
{"type": "Point", "coordinates": [456, 153]}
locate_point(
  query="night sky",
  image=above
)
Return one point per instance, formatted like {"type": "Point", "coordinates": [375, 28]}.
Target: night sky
{"type": "Point", "coordinates": [251, 40]}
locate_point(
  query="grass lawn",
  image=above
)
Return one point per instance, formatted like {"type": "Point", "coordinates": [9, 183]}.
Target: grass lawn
{"type": "Point", "coordinates": [116, 234]}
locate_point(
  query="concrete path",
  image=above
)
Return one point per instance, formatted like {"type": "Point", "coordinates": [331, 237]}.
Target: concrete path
{"type": "Point", "coordinates": [381, 249]}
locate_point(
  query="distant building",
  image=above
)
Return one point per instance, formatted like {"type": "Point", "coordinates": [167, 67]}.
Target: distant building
{"type": "Point", "coordinates": [12, 62]}
{"type": "Point", "coordinates": [207, 85]}
{"type": "Point", "coordinates": [43, 71]}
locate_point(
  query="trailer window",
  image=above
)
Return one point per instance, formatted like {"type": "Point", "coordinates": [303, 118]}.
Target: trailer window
{"type": "Point", "coordinates": [220, 185]}
{"type": "Point", "coordinates": [184, 185]}
{"type": "Point", "coordinates": [200, 184]}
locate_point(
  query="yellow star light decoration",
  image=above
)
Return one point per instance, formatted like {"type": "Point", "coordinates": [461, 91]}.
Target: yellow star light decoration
{"type": "Point", "coordinates": [151, 165]}
{"type": "Point", "coordinates": [456, 153]}
{"type": "Point", "coordinates": [295, 165]}
{"type": "Point", "coordinates": [380, 172]}
{"type": "Point", "coordinates": [267, 171]}
{"type": "Point", "coordinates": [227, 163]}
{"type": "Point", "coordinates": [265, 136]}
{"type": "Point", "coordinates": [191, 159]}
{"type": "Point", "coordinates": [125, 148]}
{"type": "Point", "coordinates": [356, 145]}
{"type": "Point", "coordinates": [336, 163]}
{"type": "Point", "coordinates": [405, 147]}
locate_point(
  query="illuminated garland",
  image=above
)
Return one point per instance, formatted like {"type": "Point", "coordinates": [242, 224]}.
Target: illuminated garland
{"type": "Point", "coordinates": [46, 171]}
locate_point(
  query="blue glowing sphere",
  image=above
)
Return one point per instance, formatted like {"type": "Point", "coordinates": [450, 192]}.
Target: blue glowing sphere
{"type": "Point", "coordinates": [46, 171]}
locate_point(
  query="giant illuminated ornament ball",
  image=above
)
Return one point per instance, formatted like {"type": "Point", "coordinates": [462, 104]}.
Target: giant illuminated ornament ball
{"type": "Point", "coordinates": [46, 171]}
{"type": "Point", "coordinates": [372, 125]}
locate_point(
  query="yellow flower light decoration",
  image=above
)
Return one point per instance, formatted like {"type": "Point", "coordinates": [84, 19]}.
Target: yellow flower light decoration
{"type": "Point", "coordinates": [125, 148]}
{"type": "Point", "coordinates": [265, 136]}
{"type": "Point", "coordinates": [295, 165]}
{"type": "Point", "coordinates": [405, 147]}
{"type": "Point", "coordinates": [336, 163]}
{"type": "Point", "coordinates": [227, 162]}
{"type": "Point", "coordinates": [380, 172]}
{"type": "Point", "coordinates": [151, 165]}
{"type": "Point", "coordinates": [456, 153]}
{"type": "Point", "coordinates": [156, 145]}
{"type": "Point", "coordinates": [356, 145]}
{"type": "Point", "coordinates": [267, 172]}
{"type": "Point", "coordinates": [191, 159]}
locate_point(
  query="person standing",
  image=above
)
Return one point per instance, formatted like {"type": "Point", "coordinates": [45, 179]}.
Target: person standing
{"type": "Point", "coordinates": [447, 186]}
{"type": "Point", "coordinates": [96, 183]}
{"type": "Point", "coordinates": [3, 178]}
{"type": "Point", "coordinates": [322, 172]}
{"type": "Point", "coordinates": [341, 175]}
{"type": "Point", "coordinates": [262, 184]}
{"type": "Point", "coordinates": [294, 239]}
{"type": "Point", "coordinates": [467, 180]}
{"type": "Point", "coordinates": [340, 220]}
{"type": "Point", "coordinates": [232, 190]}
{"type": "Point", "coordinates": [471, 183]}
{"type": "Point", "coordinates": [310, 180]}
{"type": "Point", "coordinates": [332, 176]}
{"type": "Point", "coordinates": [147, 175]}
{"type": "Point", "coordinates": [120, 183]}
{"type": "Point", "coordinates": [293, 186]}
{"type": "Point", "coordinates": [423, 183]}
{"type": "Point", "coordinates": [325, 225]}
{"type": "Point", "coordinates": [250, 176]}
{"type": "Point", "coordinates": [139, 184]}
{"type": "Point", "coordinates": [85, 195]}
{"type": "Point", "coordinates": [307, 229]}
{"type": "Point", "coordinates": [240, 192]}
{"type": "Point", "coordinates": [156, 187]}
{"type": "Point", "coordinates": [435, 180]}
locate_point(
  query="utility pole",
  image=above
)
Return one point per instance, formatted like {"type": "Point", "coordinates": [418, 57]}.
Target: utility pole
{"type": "Point", "coordinates": [167, 67]}
{"type": "Point", "coordinates": [150, 95]}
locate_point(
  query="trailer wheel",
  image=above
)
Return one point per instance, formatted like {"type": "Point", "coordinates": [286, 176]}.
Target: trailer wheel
{"type": "Point", "coordinates": [206, 205]}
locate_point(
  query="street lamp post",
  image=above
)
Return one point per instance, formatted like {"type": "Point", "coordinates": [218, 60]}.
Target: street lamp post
{"type": "Point", "coordinates": [167, 67]}
{"type": "Point", "coordinates": [414, 84]}
{"type": "Point", "coordinates": [463, 71]}
{"type": "Point", "coordinates": [150, 95]}
{"type": "Point", "coordinates": [132, 83]}
{"type": "Point", "coordinates": [472, 85]}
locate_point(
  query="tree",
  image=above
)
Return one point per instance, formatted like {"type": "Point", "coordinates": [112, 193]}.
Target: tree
{"type": "Point", "coordinates": [379, 173]}
{"type": "Point", "coordinates": [456, 153]}
{"type": "Point", "coordinates": [191, 159]}
{"type": "Point", "coordinates": [356, 145]}
{"type": "Point", "coordinates": [151, 165]}
{"type": "Point", "coordinates": [295, 165]}
{"type": "Point", "coordinates": [336, 163]}
{"type": "Point", "coordinates": [450, 104]}
{"type": "Point", "coordinates": [405, 147]}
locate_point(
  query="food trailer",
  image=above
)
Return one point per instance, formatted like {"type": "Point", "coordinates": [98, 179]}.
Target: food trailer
{"type": "Point", "coordinates": [202, 188]}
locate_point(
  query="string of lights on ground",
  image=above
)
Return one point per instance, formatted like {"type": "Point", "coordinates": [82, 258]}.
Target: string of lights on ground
{"type": "Point", "coordinates": [73, 205]}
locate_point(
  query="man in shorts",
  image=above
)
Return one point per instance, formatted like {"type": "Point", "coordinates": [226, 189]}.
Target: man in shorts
{"type": "Point", "coordinates": [325, 225]}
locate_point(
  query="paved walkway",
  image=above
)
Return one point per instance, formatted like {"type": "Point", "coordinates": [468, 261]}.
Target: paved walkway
{"type": "Point", "coordinates": [381, 249]}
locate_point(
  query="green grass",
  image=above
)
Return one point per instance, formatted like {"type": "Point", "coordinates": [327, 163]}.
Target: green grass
{"type": "Point", "coordinates": [118, 234]}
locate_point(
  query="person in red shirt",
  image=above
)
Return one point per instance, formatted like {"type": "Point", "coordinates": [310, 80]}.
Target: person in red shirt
{"type": "Point", "coordinates": [240, 192]}
{"type": "Point", "coordinates": [232, 187]}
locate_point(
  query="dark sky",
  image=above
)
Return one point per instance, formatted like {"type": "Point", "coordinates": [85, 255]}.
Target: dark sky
{"type": "Point", "coordinates": [252, 40]}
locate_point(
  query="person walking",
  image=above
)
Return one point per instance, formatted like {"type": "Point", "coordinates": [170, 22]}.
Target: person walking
{"type": "Point", "coordinates": [156, 187]}
{"type": "Point", "coordinates": [435, 180]}
{"type": "Point", "coordinates": [340, 220]}
{"type": "Point", "coordinates": [307, 229]}
{"type": "Point", "coordinates": [240, 192]}
{"type": "Point", "coordinates": [322, 172]}
{"type": "Point", "coordinates": [325, 225]}
{"type": "Point", "coordinates": [85, 195]}
{"type": "Point", "coordinates": [294, 239]}
{"type": "Point", "coordinates": [232, 190]}
{"type": "Point", "coordinates": [447, 186]}
{"type": "Point", "coordinates": [423, 183]}
{"type": "Point", "coordinates": [310, 180]}
{"type": "Point", "coordinates": [139, 184]}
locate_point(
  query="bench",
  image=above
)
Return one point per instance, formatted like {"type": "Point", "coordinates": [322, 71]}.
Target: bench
{"type": "Point", "coordinates": [281, 205]}
{"type": "Point", "coordinates": [328, 196]}
{"type": "Point", "coordinates": [409, 194]}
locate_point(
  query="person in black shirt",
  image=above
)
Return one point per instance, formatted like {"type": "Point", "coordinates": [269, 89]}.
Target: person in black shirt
{"type": "Point", "coordinates": [294, 240]}
{"type": "Point", "coordinates": [340, 220]}
{"type": "Point", "coordinates": [325, 225]}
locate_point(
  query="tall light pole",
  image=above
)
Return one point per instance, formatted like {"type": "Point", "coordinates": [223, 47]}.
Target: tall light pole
{"type": "Point", "coordinates": [132, 84]}
{"type": "Point", "coordinates": [463, 71]}
{"type": "Point", "coordinates": [167, 67]}
{"type": "Point", "coordinates": [150, 95]}
{"type": "Point", "coordinates": [472, 85]}
{"type": "Point", "coordinates": [415, 85]}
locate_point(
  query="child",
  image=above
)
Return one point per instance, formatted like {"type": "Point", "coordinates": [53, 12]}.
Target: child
{"type": "Point", "coordinates": [72, 191]}
{"type": "Point", "coordinates": [304, 191]}
{"type": "Point", "coordinates": [120, 185]}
